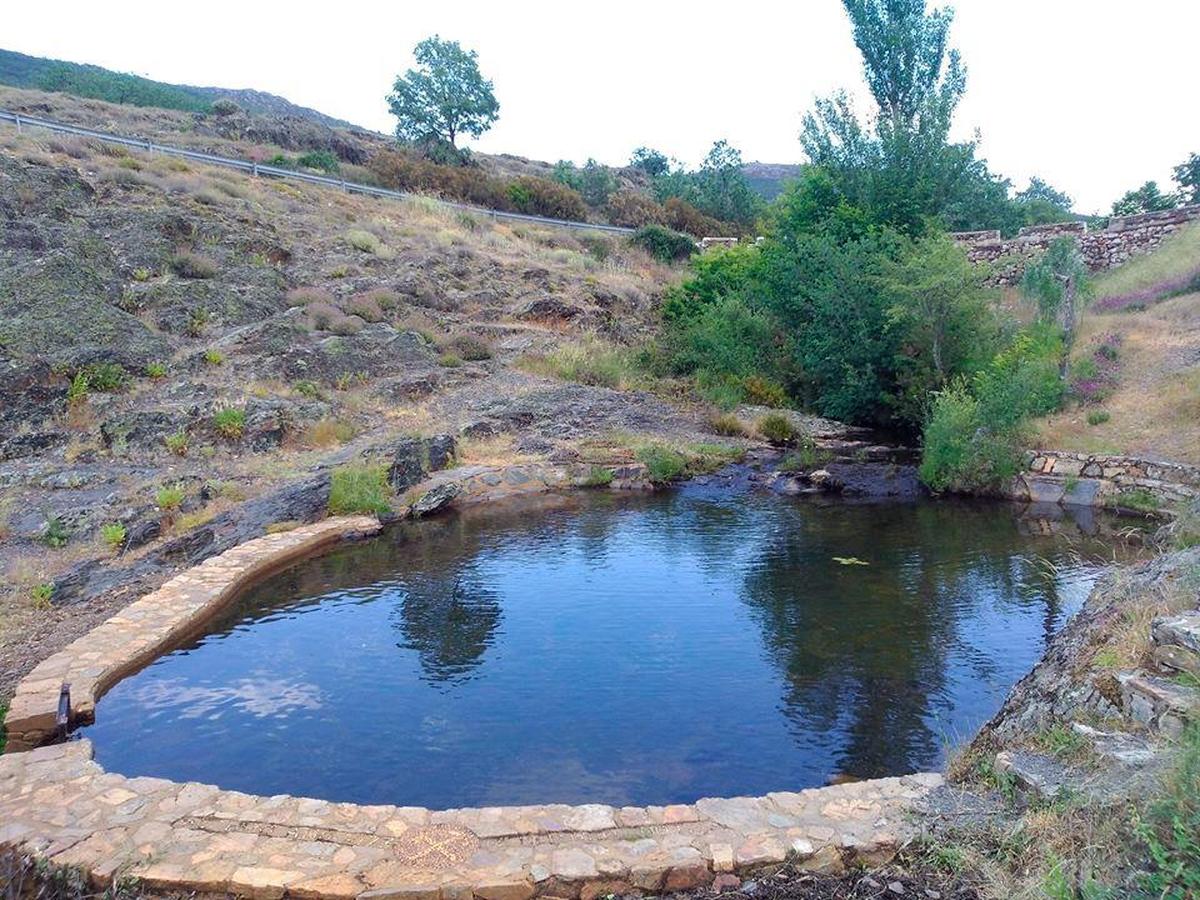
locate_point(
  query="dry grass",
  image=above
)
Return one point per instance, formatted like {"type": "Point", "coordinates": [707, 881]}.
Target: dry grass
{"type": "Point", "coordinates": [1177, 255]}
{"type": "Point", "coordinates": [498, 450]}
{"type": "Point", "coordinates": [1155, 410]}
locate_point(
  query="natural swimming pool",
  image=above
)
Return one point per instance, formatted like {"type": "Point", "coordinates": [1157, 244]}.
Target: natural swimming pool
{"type": "Point", "coordinates": [609, 648]}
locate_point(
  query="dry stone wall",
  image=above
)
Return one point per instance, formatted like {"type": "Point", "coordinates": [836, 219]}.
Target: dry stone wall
{"type": "Point", "coordinates": [1103, 248]}
{"type": "Point", "coordinates": [1083, 479]}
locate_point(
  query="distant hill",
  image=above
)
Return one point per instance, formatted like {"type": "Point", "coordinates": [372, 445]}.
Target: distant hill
{"type": "Point", "coordinates": [98, 83]}
{"type": "Point", "coordinates": [768, 179]}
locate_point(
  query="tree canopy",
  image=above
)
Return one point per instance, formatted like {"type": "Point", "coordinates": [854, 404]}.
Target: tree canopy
{"type": "Point", "coordinates": [444, 97]}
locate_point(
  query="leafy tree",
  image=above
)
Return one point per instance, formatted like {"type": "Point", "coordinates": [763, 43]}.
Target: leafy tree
{"type": "Point", "coordinates": [938, 301]}
{"type": "Point", "coordinates": [444, 97]}
{"type": "Point", "coordinates": [1041, 192]}
{"type": "Point", "coordinates": [650, 161]}
{"type": "Point", "coordinates": [722, 190]}
{"type": "Point", "coordinates": [1147, 198]}
{"type": "Point", "coordinates": [1187, 176]}
{"type": "Point", "coordinates": [899, 165]}
{"type": "Point", "coordinates": [1055, 282]}
{"type": "Point", "coordinates": [915, 80]}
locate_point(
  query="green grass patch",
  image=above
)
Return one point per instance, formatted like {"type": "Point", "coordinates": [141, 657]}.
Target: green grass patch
{"type": "Point", "coordinates": [1170, 827]}
{"type": "Point", "coordinates": [170, 497]}
{"type": "Point", "coordinates": [1137, 500]}
{"type": "Point", "coordinates": [599, 476]}
{"type": "Point", "coordinates": [359, 488]}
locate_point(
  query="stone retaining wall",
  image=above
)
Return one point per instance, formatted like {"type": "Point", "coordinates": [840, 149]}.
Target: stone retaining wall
{"type": "Point", "coordinates": [1083, 479]}
{"type": "Point", "coordinates": [1105, 248]}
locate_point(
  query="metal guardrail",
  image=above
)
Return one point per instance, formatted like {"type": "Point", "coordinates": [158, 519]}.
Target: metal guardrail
{"type": "Point", "coordinates": [259, 169]}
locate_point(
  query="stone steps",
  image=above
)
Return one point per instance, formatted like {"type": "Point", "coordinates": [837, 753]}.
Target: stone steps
{"type": "Point", "coordinates": [1175, 642]}
{"type": "Point", "coordinates": [1051, 778]}
{"type": "Point", "coordinates": [1158, 703]}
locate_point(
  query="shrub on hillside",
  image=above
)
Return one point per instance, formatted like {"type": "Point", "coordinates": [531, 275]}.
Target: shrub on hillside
{"type": "Point", "coordinates": [633, 210]}
{"type": "Point", "coordinates": [321, 160]}
{"type": "Point", "coordinates": [542, 197]}
{"type": "Point", "coordinates": [682, 216]}
{"type": "Point", "coordinates": [192, 265]}
{"type": "Point", "coordinates": [468, 347]}
{"type": "Point", "coordinates": [365, 308]}
{"type": "Point", "coordinates": [663, 243]}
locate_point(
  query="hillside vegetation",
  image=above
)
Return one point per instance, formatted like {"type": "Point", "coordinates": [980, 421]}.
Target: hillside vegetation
{"type": "Point", "coordinates": [1148, 404]}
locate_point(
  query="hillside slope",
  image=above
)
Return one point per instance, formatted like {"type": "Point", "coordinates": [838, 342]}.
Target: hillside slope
{"type": "Point", "coordinates": [24, 71]}
{"type": "Point", "coordinates": [1153, 400]}
{"type": "Point", "coordinates": [179, 344]}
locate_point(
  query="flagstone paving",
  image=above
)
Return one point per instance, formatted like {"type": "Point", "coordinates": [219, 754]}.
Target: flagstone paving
{"type": "Point", "coordinates": [59, 805]}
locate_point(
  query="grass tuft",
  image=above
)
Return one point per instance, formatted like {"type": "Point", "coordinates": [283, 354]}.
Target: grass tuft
{"type": "Point", "coordinates": [359, 488]}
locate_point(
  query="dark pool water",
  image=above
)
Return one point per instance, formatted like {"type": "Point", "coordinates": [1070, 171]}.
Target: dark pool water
{"type": "Point", "coordinates": [616, 649]}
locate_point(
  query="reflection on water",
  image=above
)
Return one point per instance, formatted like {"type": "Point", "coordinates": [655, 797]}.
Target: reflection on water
{"type": "Point", "coordinates": [612, 649]}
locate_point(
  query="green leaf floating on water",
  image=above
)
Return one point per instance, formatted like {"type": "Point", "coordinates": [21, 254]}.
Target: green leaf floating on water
{"type": "Point", "coordinates": [850, 561]}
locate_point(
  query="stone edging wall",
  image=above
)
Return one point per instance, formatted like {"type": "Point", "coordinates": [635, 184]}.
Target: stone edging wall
{"type": "Point", "coordinates": [155, 623]}
{"type": "Point", "coordinates": [1083, 479]}
{"type": "Point", "coordinates": [1122, 239]}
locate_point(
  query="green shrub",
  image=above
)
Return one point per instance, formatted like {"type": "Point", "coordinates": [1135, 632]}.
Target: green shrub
{"type": "Point", "coordinates": [359, 488]}
{"type": "Point", "coordinates": [113, 534]}
{"type": "Point", "coordinates": [963, 449]}
{"type": "Point", "coordinates": [307, 389]}
{"type": "Point", "coordinates": [106, 377]}
{"type": "Point", "coordinates": [142, 274]}
{"type": "Point", "coordinates": [42, 594]}
{"type": "Point", "coordinates": [214, 357]}
{"type": "Point", "coordinates": [177, 443]}
{"type": "Point", "coordinates": [763, 391]}
{"type": "Point", "coordinates": [319, 159]}
{"type": "Point", "coordinates": [230, 422]}
{"type": "Point", "coordinates": [662, 243]}
{"type": "Point", "coordinates": [663, 464]}
{"type": "Point", "coordinates": [192, 265]}
{"type": "Point", "coordinates": [170, 497]}
{"type": "Point", "coordinates": [198, 320]}
{"type": "Point", "coordinates": [156, 370]}
{"type": "Point", "coordinates": [449, 361]}
{"type": "Point", "coordinates": [78, 390]}
{"type": "Point", "coordinates": [777, 429]}
{"type": "Point", "coordinates": [55, 534]}
{"type": "Point", "coordinates": [1098, 417]}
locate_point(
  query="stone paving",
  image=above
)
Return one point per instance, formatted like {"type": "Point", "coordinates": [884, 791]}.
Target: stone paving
{"type": "Point", "coordinates": [59, 805]}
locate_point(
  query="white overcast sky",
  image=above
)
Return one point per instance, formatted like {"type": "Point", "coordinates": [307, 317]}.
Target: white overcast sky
{"type": "Point", "coordinates": [1095, 96]}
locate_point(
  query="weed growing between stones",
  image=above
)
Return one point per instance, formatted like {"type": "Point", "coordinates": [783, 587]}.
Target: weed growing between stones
{"type": "Point", "coordinates": [230, 422]}
{"type": "Point", "coordinates": [113, 535]}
